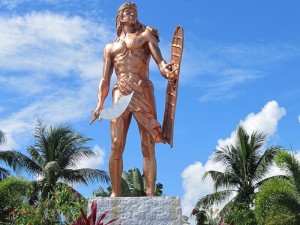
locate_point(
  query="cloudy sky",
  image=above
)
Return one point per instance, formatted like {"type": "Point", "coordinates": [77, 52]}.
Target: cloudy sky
{"type": "Point", "coordinates": [241, 65]}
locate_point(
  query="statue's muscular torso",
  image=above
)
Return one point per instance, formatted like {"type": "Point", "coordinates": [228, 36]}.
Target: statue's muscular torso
{"type": "Point", "coordinates": [130, 54]}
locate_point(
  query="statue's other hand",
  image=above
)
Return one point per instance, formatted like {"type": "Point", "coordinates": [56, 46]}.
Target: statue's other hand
{"type": "Point", "coordinates": [96, 114]}
{"type": "Point", "coordinates": [173, 71]}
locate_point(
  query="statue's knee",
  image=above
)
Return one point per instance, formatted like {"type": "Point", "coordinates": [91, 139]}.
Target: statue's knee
{"type": "Point", "coordinates": [117, 143]}
{"type": "Point", "coordinates": [117, 149]}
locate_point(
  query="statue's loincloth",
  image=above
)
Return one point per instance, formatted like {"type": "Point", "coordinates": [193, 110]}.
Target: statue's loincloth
{"type": "Point", "coordinates": [142, 104]}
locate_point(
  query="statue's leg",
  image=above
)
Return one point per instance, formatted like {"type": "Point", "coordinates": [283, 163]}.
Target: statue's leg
{"type": "Point", "coordinates": [118, 130]}
{"type": "Point", "coordinates": [149, 161]}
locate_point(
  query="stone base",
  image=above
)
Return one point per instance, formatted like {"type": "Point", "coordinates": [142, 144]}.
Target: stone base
{"type": "Point", "coordinates": [140, 210]}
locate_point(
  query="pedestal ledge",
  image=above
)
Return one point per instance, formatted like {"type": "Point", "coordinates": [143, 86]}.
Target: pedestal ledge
{"type": "Point", "coordinates": [140, 210]}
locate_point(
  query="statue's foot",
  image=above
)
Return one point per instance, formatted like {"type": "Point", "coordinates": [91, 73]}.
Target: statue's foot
{"type": "Point", "coordinates": [150, 194]}
{"type": "Point", "coordinates": [113, 195]}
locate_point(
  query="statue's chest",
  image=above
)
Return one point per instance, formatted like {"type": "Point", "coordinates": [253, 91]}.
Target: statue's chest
{"type": "Point", "coordinates": [130, 43]}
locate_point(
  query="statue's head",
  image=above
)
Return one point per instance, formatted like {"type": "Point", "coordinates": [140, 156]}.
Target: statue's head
{"type": "Point", "coordinates": [126, 6]}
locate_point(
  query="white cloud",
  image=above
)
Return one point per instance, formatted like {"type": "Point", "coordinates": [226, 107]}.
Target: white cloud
{"type": "Point", "coordinates": [192, 184]}
{"type": "Point", "coordinates": [94, 162]}
{"type": "Point", "coordinates": [52, 43]}
{"type": "Point", "coordinates": [65, 105]}
{"type": "Point", "coordinates": [265, 121]}
{"type": "Point", "coordinates": [299, 118]}
{"type": "Point", "coordinates": [50, 64]}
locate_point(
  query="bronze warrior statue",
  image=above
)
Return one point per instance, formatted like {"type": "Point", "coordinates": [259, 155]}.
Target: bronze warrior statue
{"type": "Point", "coordinates": [129, 56]}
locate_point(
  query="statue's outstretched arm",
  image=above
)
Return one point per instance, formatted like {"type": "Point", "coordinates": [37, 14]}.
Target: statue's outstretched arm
{"type": "Point", "coordinates": [103, 88]}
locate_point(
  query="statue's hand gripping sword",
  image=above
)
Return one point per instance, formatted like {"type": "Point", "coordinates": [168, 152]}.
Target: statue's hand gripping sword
{"type": "Point", "coordinates": [114, 111]}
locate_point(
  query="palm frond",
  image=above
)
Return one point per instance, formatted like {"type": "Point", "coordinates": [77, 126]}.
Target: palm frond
{"type": "Point", "coordinates": [17, 161]}
{"type": "Point", "coordinates": [265, 161]}
{"type": "Point", "coordinates": [257, 140]}
{"type": "Point", "coordinates": [222, 179]}
{"type": "Point", "coordinates": [227, 208]}
{"type": "Point", "coordinates": [241, 145]}
{"type": "Point", "coordinates": [214, 198]}
{"type": "Point", "coordinates": [287, 161]}
{"type": "Point", "coordinates": [223, 155]}
{"type": "Point", "coordinates": [35, 156]}
{"type": "Point", "coordinates": [40, 137]}
{"type": "Point", "coordinates": [85, 175]}
{"type": "Point", "coordinates": [74, 156]}
{"type": "Point", "coordinates": [4, 173]}
{"type": "Point", "coordinates": [2, 137]}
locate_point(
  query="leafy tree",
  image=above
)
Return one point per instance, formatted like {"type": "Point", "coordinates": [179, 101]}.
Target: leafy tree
{"type": "Point", "coordinates": [63, 207]}
{"type": "Point", "coordinates": [14, 192]}
{"type": "Point", "coordinates": [242, 214]}
{"type": "Point", "coordinates": [54, 156]}
{"type": "Point", "coordinates": [206, 216]}
{"type": "Point", "coordinates": [245, 166]}
{"type": "Point", "coordinates": [278, 200]}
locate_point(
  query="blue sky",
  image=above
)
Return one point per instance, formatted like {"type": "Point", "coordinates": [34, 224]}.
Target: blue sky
{"type": "Point", "coordinates": [241, 64]}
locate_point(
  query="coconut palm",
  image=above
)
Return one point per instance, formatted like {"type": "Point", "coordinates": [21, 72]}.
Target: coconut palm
{"type": "Point", "coordinates": [245, 166]}
{"type": "Point", "coordinates": [2, 137]}
{"type": "Point", "coordinates": [54, 157]}
{"type": "Point", "coordinates": [4, 173]}
{"type": "Point", "coordinates": [278, 200]}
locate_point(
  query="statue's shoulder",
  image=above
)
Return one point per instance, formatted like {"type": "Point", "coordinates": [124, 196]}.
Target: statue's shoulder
{"type": "Point", "coordinates": [108, 46]}
{"type": "Point", "coordinates": [152, 34]}
{"type": "Point", "coordinates": [107, 50]}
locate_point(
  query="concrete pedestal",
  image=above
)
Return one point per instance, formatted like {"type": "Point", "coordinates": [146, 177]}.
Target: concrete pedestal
{"type": "Point", "coordinates": [140, 210]}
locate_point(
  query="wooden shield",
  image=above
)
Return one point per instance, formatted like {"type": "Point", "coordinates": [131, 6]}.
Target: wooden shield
{"type": "Point", "coordinates": [172, 88]}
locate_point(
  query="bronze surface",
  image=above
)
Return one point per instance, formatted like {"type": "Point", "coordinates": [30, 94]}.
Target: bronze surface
{"type": "Point", "coordinates": [129, 57]}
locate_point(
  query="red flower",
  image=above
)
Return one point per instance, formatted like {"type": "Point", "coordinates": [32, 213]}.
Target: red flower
{"type": "Point", "coordinates": [12, 212]}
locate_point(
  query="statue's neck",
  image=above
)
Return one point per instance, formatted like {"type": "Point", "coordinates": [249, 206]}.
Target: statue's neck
{"type": "Point", "coordinates": [129, 29]}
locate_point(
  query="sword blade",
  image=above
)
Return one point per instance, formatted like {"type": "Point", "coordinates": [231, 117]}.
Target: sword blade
{"type": "Point", "coordinates": [117, 109]}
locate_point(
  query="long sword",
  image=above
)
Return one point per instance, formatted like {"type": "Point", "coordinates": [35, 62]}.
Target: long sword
{"type": "Point", "coordinates": [114, 111]}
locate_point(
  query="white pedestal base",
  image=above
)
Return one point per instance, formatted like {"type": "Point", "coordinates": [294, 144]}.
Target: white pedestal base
{"type": "Point", "coordinates": [140, 210]}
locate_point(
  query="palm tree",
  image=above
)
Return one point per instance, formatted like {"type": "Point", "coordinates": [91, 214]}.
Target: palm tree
{"type": "Point", "coordinates": [245, 166]}
{"type": "Point", "coordinates": [4, 173]}
{"type": "Point", "coordinates": [278, 201]}
{"type": "Point", "coordinates": [2, 137]}
{"type": "Point", "coordinates": [133, 184]}
{"type": "Point", "coordinates": [54, 156]}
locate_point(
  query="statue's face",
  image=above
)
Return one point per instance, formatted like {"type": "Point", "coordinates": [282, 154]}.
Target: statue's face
{"type": "Point", "coordinates": [129, 16]}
